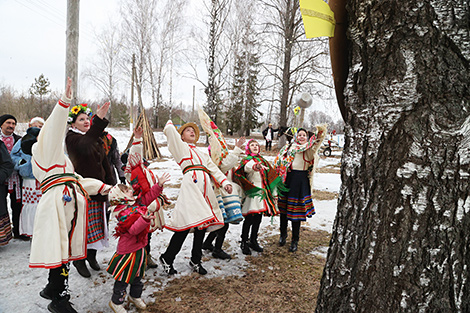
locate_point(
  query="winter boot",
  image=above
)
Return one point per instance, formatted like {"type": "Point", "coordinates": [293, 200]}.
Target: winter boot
{"type": "Point", "coordinates": [138, 302]}
{"type": "Point", "coordinates": [150, 262]}
{"type": "Point", "coordinates": [91, 258]}
{"type": "Point", "coordinates": [282, 240]}
{"type": "Point", "coordinates": [168, 268]}
{"type": "Point", "coordinates": [245, 248]}
{"type": "Point", "coordinates": [208, 246]}
{"type": "Point", "coordinates": [255, 246]}
{"type": "Point", "coordinates": [81, 268]}
{"type": "Point", "coordinates": [47, 293]}
{"type": "Point", "coordinates": [198, 268]}
{"type": "Point", "coordinates": [293, 246]}
{"type": "Point", "coordinates": [221, 254]}
{"type": "Point", "coordinates": [117, 308]}
{"type": "Point", "coordinates": [61, 305]}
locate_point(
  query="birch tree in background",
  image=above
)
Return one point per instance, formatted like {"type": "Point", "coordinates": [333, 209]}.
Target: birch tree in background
{"type": "Point", "coordinates": [138, 31]}
{"type": "Point", "coordinates": [167, 41]}
{"type": "Point", "coordinates": [104, 71]}
{"type": "Point", "coordinates": [401, 239]}
{"type": "Point", "coordinates": [300, 68]}
{"type": "Point", "coordinates": [217, 55]}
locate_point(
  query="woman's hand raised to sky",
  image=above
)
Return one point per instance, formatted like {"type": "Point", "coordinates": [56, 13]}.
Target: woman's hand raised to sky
{"type": "Point", "coordinates": [102, 110]}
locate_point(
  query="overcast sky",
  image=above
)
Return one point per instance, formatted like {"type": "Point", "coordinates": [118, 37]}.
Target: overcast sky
{"type": "Point", "coordinates": [33, 38]}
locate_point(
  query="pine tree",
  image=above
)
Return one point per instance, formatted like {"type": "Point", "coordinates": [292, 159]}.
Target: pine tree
{"type": "Point", "coordinates": [40, 87]}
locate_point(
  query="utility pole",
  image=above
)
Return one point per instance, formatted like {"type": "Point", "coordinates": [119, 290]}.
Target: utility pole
{"type": "Point", "coordinates": [131, 124]}
{"type": "Point", "coordinates": [71, 56]}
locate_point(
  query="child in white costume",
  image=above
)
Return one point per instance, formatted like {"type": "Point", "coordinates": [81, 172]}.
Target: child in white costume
{"type": "Point", "coordinates": [196, 207]}
{"type": "Point", "coordinates": [60, 223]}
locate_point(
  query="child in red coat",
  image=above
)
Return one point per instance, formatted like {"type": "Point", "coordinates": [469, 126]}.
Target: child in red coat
{"type": "Point", "coordinates": [130, 260]}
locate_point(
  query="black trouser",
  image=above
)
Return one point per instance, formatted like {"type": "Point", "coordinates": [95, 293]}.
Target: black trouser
{"type": "Point", "coordinates": [295, 228]}
{"type": "Point", "coordinates": [119, 290]}
{"type": "Point", "coordinates": [147, 247]}
{"type": "Point", "coordinates": [251, 221]}
{"type": "Point", "coordinates": [15, 210]}
{"type": "Point", "coordinates": [58, 281]}
{"type": "Point", "coordinates": [269, 144]}
{"type": "Point", "coordinates": [220, 235]}
{"type": "Point", "coordinates": [177, 241]}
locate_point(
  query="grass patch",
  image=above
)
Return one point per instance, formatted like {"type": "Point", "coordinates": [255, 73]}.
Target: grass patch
{"type": "Point", "coordinates": [324, 195]}
{"type": "Point", "coordinates": [275, 281]}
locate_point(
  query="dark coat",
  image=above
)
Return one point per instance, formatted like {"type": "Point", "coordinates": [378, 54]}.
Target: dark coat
{"type": "Point", "coordinates": [6, 168]}
{"type": "Point", "coordinates": [265, 132]}
{"type": "Point", "coordinates": [89, 156]}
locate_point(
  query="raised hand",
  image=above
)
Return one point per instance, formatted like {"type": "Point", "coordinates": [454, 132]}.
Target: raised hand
{"type": "Point", "coordinates": [239, 142]}
{"type": "Point", "coordinates": [68, 88]}
{"type": "Point", "coordinates": [163, 179]}
{"type": "Point", "coordinates": [102, 110]}
{"type": "Point", "coordinates": [138, 132]}
{"type": "Point", "coordinates": [228, 188]}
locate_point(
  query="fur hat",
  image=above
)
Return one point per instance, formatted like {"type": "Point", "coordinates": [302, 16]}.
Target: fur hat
{"type": "Point", "coordinates": [5, 117]}
{"type": "Point", "coordinates": [77, 110]}
{"type": "Point", "coordinates": [194, 126]}
{"type": "Point", "coordinates": [29, 139]}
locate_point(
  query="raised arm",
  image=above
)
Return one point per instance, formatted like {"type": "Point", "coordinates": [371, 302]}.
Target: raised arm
{"type": "Point", "coordinates": [49, 148]}
{"type": "Point", "coordinates": [178, 148]}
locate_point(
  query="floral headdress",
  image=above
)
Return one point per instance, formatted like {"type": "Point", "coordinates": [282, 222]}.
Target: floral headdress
{"type": "Point", "coordinates": [77, 110]}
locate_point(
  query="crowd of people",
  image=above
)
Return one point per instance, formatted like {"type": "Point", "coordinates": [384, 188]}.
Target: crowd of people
{"type": "Point", "coordinates": [63, 200]}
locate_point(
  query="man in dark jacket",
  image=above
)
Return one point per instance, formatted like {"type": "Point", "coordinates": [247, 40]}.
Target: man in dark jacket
{"type": "Point", "coordinates": [268, 135]}
{"type": "Point", "coordinates": [6, 168]}
{"type": "Point", "coordinates": [13, 184]}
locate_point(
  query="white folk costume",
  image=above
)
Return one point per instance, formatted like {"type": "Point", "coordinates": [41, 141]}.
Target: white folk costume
{"type": "Point", "coordinates": [231, 201]}
{"type": "Point", "coordinates": [60, 222]}
{"type": "Point", "coordinates": [196, 205]}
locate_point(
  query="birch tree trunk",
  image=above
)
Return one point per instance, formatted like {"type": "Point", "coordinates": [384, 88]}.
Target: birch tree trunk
{"type": "Point", "coordinates": [401, 238]}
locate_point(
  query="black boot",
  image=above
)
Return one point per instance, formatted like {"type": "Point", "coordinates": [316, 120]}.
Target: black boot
{"type": "Point", "coordinates": [61, 305]}
{"type": "Point", "coordinates": [245, 248]}
{"type": "Point", "coordinates": [81, 268]}
{"type": "Point", "coordinates": [255, 246]}
{"type": "Point", "coordinates": [91, 258]}
{"type": "Point", "coordinates": [47, 293]}
{"type": "Point", "coordinates": [208, 246]}
{"type": "Point", "coordinates": [221, 254]}
{"type": "Point", "coordinates": [282, 240]}
{"type": "Point", "coordinates": [293, 246]}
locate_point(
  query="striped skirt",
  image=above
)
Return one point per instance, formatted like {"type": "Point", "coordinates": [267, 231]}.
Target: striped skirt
{"type": "Point", "coordinates": [297, 203]}
{"type": "Point", "coordinates": [96, 220]}
{"type": "Point", "coordinates": [5, 229]}
{"type": "Point", "coordinates": [126, 267]}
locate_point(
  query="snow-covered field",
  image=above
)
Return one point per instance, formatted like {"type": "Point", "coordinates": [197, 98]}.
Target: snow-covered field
{"type": "Point", "coordinates": [20, 285]}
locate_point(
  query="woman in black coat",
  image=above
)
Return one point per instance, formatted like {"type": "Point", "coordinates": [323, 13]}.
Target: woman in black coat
{"type": "Point", "coordinates": [87, 153]}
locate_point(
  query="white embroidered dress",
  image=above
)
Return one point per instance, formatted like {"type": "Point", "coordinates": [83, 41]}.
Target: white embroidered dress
{"type": "Point", "coordinates": [51, 246]}
{"type": "Point", "coordinates": [196, 205]}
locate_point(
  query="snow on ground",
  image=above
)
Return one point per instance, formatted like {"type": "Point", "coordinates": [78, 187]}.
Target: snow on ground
{"type": "Point", "coordinates": [20, 285]}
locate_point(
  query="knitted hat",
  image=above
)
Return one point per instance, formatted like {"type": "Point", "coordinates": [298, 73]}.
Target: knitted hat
{"type": "Point", "coordinates": [36, 119]}
{"type": "Point", "coordinates": [77, 110]}
{"type": "Point", "coordinates": [139, 180]}
{"type": "Point", "coordinates": [5, 117]}
{"type": "Point", "coordinates": [194, 126]}
{"type": "Point", "coordinates": [29, 139]}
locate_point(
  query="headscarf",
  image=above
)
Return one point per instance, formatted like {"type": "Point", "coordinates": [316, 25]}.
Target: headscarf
{"type": "Point", "coordinates": [287, 154]}
{"type": "Point", "coordinates": [126, 211]}
{"type": "Point", "coordinates": [270, 180]}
